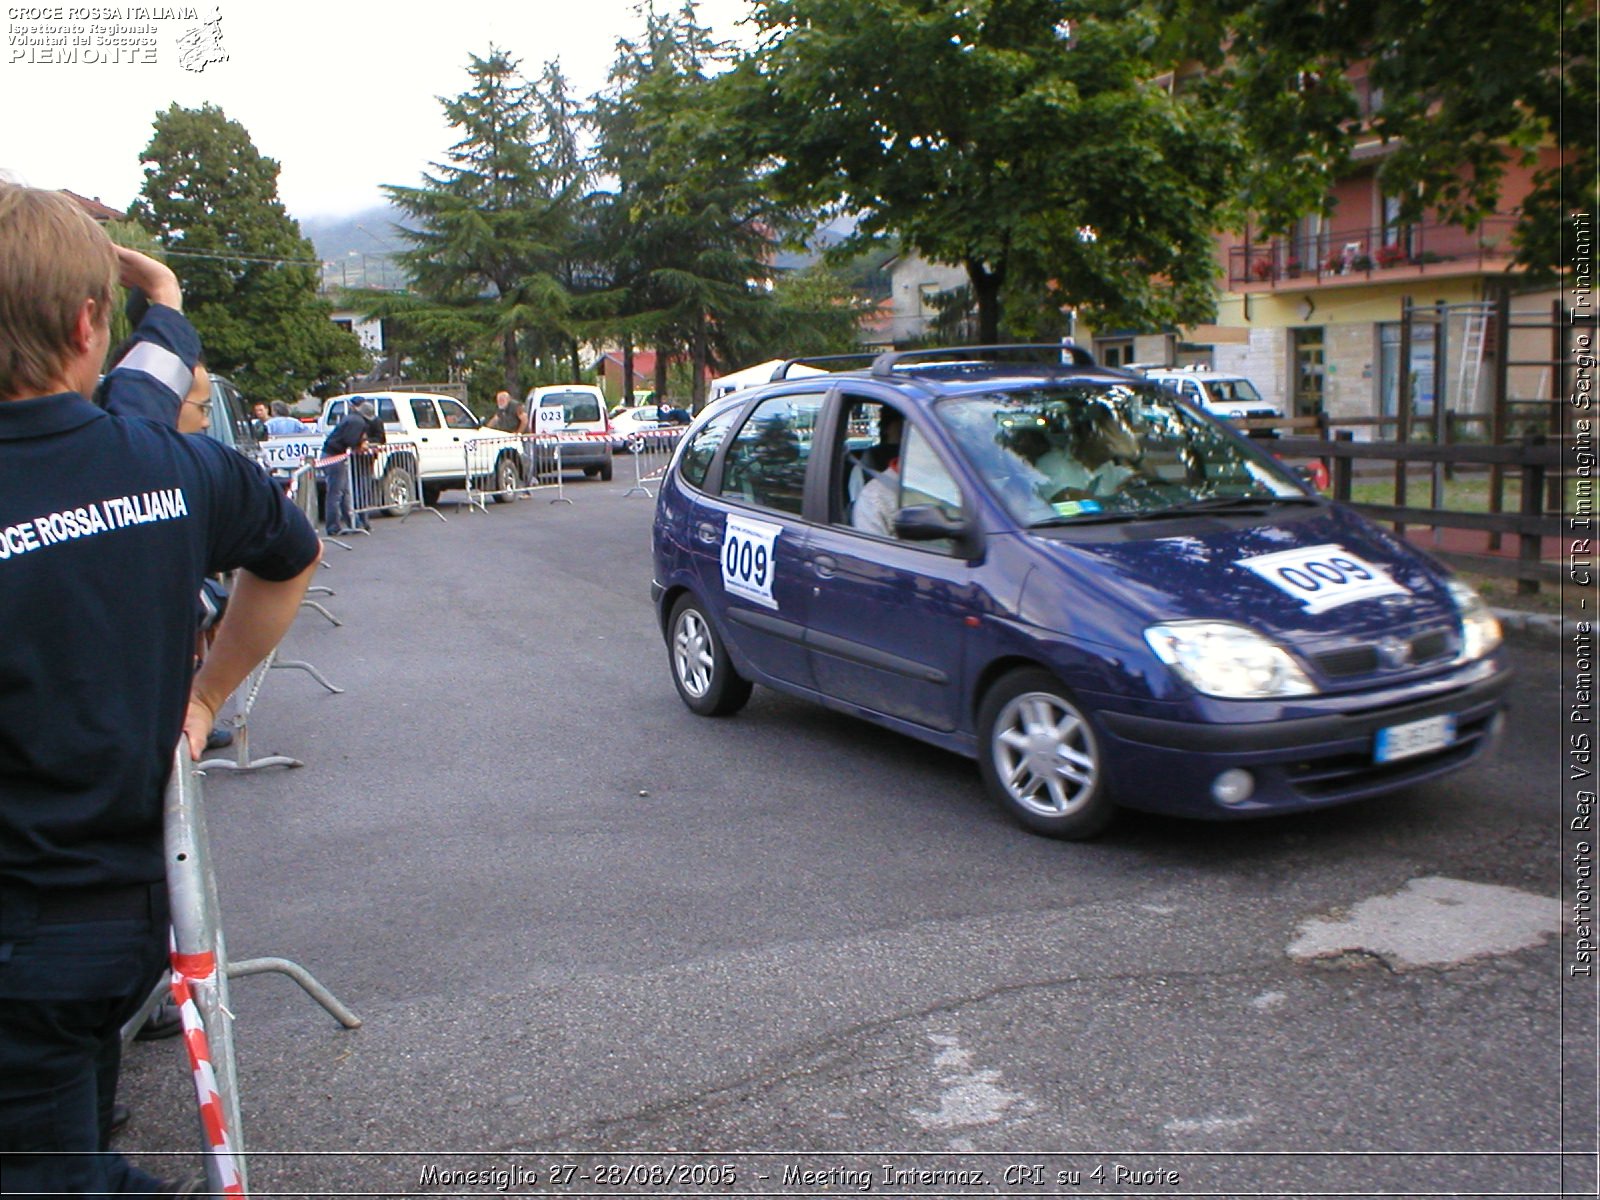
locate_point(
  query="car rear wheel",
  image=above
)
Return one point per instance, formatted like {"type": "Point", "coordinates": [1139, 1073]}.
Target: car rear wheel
{"type": "Point", "coordinates": [1040, 758]}
{"type": "Point", "coordinates": [701, 669]}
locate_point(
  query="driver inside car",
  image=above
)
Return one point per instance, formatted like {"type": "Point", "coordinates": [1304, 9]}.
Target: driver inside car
{"type": "Point", "coordinates": [1103, 455]}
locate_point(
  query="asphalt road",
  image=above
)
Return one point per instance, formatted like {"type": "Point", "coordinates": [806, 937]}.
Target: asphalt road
{"type": "Point", "coordinates": [597, 941]}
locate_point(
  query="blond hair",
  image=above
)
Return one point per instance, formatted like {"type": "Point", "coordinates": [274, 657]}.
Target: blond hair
{"type": "Point", "coordinates": [53, 257]}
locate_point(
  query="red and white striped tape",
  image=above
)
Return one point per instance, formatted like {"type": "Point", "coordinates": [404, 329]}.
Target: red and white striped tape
{"type": "Point", "coordinates": [187, 971]}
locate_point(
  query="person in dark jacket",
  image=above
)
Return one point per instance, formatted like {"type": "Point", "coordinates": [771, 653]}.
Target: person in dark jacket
{"type": "Point", "coordinates": [109, 520]}
{"type": "Point", "coordinates": [348, 437]}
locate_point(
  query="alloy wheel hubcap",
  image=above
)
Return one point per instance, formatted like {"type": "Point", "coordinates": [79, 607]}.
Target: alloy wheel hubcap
{"type": "Point", "coordinates": [691, 654]}
{"type": "Point", "coordinates": [1044, 754]}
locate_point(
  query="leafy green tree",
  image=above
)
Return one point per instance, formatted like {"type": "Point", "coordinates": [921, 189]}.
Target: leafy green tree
{"type": "Point", "coordinates": [809, 312]}
{"type": "Point", "coordinates": [1026, 140]}
{"type": "Point", "coordinates": [492, 223]}
{"type": "Point", "coordinates": [249, 278]}
{"type": "Point", "coordinates": [1468, 90]}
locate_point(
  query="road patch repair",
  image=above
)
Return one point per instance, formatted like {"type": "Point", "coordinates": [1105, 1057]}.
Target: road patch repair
{"type": "Point", "coordinates": [1432, 922]}
{"type": "Point", "coordinates": [971, 1096]}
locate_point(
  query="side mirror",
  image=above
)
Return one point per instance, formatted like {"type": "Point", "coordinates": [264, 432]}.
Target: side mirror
{"type": "Point", "coordinates": [929, 523]}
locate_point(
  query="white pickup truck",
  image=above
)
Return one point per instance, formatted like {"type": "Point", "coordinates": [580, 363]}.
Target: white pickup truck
{"type": "Point", "coordinates": [430, 440]}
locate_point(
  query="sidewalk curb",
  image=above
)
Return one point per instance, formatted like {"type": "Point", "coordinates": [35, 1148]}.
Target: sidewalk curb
{"type": "Point", "coordinates": [1540, 628]}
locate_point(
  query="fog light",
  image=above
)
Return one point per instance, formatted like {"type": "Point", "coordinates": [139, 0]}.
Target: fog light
{"type": "Point", "coordinates": [1233, 786]}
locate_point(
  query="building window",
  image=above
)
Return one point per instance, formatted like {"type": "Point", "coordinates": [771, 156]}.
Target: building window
{"type": "Point", "coordinates": [1422, 370]}
{"type": "Point", "coordinates": [1395, 245]}
{"type": "Point", "coordinates": [1114, 352]}
{"type": "Point", "coordinates": [1309, 369]}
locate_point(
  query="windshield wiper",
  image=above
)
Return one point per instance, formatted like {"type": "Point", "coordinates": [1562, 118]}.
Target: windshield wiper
{"type": "Point", "coordinates": [1214, 504]}
{"type": "Point", "coordinates": [1218, 503]}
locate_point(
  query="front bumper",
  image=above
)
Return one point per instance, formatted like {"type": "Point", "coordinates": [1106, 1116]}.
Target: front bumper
{"type": "Point", "coordinates": [1301, 762]}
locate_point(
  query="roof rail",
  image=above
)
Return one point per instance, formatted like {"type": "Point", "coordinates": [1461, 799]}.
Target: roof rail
{"type": "Point", "coordinates": [885, 364]}
{"type": "Point", "coordinates": [781, 371]}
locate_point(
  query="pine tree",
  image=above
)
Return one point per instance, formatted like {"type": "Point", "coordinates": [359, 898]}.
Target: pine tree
{"type": "Point", "coordinates": [693, 223]}
{"type": "Point", "coordinates": [493, 224]}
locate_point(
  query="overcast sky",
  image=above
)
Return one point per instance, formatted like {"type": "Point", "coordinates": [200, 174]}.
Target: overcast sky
{"type": "Point", "coordinates": [343, 93]}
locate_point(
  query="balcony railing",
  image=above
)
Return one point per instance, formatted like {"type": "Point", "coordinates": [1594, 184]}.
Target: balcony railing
{"type": "Point", "coordinates": [1376, 252]}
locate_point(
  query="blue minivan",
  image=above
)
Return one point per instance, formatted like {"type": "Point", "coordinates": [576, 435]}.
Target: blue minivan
{"type": "Point", "coordinates": [1092, 586]}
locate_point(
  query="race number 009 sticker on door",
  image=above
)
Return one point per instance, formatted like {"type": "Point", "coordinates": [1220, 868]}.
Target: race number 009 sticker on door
{"type": "Point", "coordinates": [1324, 577]}
{"type": "Point", "coordinates": [749, 554]}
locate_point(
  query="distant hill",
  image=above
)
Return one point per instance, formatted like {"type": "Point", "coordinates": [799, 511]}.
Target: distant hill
{"type": "Point", "coordinates": [356, 247]}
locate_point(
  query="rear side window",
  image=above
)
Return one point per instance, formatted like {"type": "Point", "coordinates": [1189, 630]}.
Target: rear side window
{"type": "Point", "coordinates": [386, 412]}
{"type": "Point", "coordinates": [702, 448]}
{"type": "Point", "coordinates": [766, 463]}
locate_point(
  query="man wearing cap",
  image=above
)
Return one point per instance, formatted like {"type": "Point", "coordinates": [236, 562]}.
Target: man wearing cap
{"type": "Point", "coordinates": [348, 437]}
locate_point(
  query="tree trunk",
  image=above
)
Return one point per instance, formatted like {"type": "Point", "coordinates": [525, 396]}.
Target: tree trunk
{"type": "Point", "coordinates": [577, 363]}
{"type": "Point", "coordinates": [986, 283]}
{"type": "Point", "coordinates": [662, 355]}
{"type": "Point", "coordinates": [627, 369]}
{"type": "Point", "coordinates": [697, 365]}
{"type": "Point", "coordinates": [508, 344]}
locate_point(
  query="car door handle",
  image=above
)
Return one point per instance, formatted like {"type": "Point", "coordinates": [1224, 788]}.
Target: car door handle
{"type": "Point", "coordinates": [706, 532]}
{"type": "Point", "coordinates": [825, 565]}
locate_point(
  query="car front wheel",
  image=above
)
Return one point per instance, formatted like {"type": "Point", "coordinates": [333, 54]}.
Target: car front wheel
{"type": "Point", "coordinates": [1040, 758]}
{"type": "Point", "coordinates": [396, 490]}
{"type": "Point", "coordinates": [701, 669]}
{"type": "Point", "coordinates": [507, 479]}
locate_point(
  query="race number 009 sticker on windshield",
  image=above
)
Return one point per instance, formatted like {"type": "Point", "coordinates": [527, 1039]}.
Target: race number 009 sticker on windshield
{"type": "Point", "coordinates": [749, 554]}
{"type": "Point", "coordinates": [1324, 577]}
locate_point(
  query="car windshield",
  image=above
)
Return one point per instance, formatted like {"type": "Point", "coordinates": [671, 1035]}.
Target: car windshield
{"type": "Point", "coordinates": [1094, 451]}
{"type": "Point", "coordinates": [1233, 390]}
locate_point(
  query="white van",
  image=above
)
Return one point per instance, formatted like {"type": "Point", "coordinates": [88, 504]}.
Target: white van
{"type": "Point", "coordinates": [574, 413]}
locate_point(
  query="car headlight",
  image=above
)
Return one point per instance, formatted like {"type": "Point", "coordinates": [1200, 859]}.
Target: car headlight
{"type": "Point", "coordinates": [1220, 658]}
{"type": "Point", "coordinates": [1480, 631]}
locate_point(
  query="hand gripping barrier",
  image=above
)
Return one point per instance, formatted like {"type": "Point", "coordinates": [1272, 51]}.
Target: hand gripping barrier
{"type": "Point", "coordinates": [200, 973]}
{"type": "Point", "coordinates": [652, 451]}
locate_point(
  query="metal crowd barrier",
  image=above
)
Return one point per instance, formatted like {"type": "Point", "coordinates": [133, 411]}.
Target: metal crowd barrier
{"type": "Point", "coordinates": [504, 468]}
{"type": "Point", "coordinates": [241, 760]}
{"type": "Point", "coordinates": [201, 970]}
{"type": "Point", "coordinates": [302, 489]}
{"type": "Point", "coordinates": [652, 451]}
{"type": "Point", "coordinates": [387, 478]}
{"type": "Point", "coordinates": [499, 468]}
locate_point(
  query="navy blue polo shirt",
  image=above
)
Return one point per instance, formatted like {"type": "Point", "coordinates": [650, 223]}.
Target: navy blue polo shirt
{"type": "Point", "coordinates": [107, 525]}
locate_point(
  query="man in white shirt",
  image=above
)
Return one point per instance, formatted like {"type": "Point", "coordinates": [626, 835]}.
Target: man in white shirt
{"type": "Point", "coordinates": [875, 507]}
{"type": "Point", "coordinates": [1097, 464]}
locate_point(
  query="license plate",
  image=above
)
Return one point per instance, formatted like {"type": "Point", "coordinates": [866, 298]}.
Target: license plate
{"type": "Point", "coordinates": [1414, 737]}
